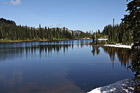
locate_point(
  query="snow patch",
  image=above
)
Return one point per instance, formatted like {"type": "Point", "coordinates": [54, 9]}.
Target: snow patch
{"type": "Point", "coordinates": [123, 86]}
{"type": "Point", "coordinates": [119, 46]}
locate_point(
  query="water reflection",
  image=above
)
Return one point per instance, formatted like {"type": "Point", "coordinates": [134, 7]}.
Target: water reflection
{"type": "Point", "coordinates": [18, 50]}
{"type": "Point", "coordinates": [124, 55]}
{"type": "Point", "coordinates": [94, 73]}
{"type": "Point", "coordinates": [59, 67]}
{"type": "Point", "coordinates": [95, 50]}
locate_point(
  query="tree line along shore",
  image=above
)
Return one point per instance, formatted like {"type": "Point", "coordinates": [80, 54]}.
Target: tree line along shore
{"type": "Point", "coordinates": [10, 32]}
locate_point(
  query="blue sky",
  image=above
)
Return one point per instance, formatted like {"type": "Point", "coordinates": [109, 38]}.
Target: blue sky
{"type": "Point", "coordinates": [74, 14]}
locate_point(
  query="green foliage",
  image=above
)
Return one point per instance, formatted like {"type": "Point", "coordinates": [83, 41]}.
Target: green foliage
{"type": "Point", "coordinates": [135, 64]}
{"type": "Point", "coordinates": [117, 34]}
{"type": "Point", "coordinates": [132, 23]}
{"type": "Point", "coordinates": [9, 31]}
{"type": "Point", "coordinates": [4, 21]}
{"type": "Point", "coordinates": [101, 42]}
{"type": "Point", "coordinates": [132, 20]}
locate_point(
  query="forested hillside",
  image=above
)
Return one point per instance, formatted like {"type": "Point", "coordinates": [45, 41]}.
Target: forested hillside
{"type": "Point", "coordinates": [4, 21]}
{"type": "Point", "coordinates": [10, 31]}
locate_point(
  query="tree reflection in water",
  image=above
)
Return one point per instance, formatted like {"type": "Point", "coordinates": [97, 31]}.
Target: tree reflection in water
{"type": "Point", "coordinates": [81, 72]}
{"type": "Point", "coordinates": [124, 55]}
{"type": "Point", "coordinates": [128, 57]}
{"type": "Point", "coordinates": [99, 73]}
{"type": "Point", "coordinates": [15, 52]}
{"type": "Point", "coordinates": [18, 50]}
{"type": "Point", "coordinates": [95, 50]}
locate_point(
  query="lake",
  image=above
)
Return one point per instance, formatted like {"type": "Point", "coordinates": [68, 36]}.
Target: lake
{"type": "Point", "coordinates": [72, 66]}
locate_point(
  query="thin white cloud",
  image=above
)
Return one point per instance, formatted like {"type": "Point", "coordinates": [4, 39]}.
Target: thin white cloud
{"type": "Point", "coordinates": [15, 2]}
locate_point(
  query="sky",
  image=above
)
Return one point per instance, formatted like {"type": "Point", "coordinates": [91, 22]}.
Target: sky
{"type": "Point", "coordinates": [85, 15]}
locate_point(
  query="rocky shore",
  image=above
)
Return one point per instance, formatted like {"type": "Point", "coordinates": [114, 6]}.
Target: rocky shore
{"type": "Point", "coordinates": [123, 86]}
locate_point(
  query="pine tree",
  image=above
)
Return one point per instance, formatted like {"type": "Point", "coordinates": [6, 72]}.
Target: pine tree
{"type": "Point", "coordinates": [132, 20]}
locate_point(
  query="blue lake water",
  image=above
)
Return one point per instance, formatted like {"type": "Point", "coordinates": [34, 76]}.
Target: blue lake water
{"type": "Point", "coordinates": [72, 66]}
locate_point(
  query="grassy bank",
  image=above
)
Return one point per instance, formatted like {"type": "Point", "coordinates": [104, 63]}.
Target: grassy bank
{"type": "Point", "coordinates": [54, 39]}
{"type": "Point", "coordinates": [12, 41]}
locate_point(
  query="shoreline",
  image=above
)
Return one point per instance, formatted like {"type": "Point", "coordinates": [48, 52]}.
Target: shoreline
{"type": "Point", "coordinates": [118, 46]}
{"type": "Point", "coordinates": [43, 40]}
{"type": "Point", "coordinates": [123, 86]}
{"type": "Point", "coordinates": [18, 41]}
{"type": "Point", "coordinates": [47, 40]}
